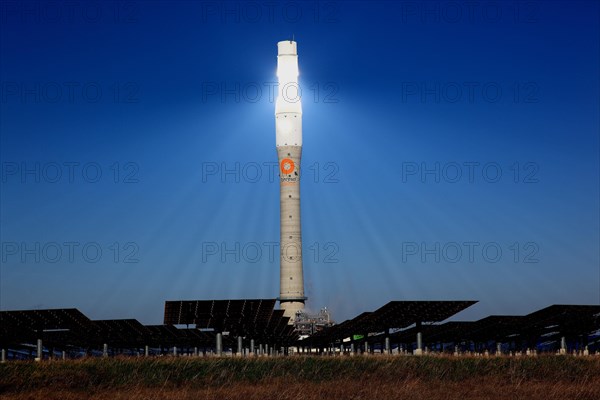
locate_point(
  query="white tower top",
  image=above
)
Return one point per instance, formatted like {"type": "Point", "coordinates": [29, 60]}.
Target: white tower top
{"type": "Point", "coordinates": [288, 108]}
{"type": "Point", "coordinates": [287, 47]}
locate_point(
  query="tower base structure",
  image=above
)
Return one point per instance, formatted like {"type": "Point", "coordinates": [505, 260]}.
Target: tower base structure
{"type": "Point", "coordinates": [291, 308]}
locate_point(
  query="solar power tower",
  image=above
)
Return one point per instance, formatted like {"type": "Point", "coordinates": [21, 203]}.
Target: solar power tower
{"type": "Point", "coordinates": [288, 132]}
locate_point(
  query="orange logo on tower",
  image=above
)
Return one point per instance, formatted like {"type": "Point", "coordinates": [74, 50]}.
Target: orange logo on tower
{"type": "Point", "coordinates": [287, 166]}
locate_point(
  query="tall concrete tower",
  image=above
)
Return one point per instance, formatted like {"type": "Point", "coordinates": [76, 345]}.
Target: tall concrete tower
{"type": "Point", "coordinates": [288, 129]}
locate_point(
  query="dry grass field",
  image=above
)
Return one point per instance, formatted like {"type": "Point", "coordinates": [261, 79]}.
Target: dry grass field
{"type": "Point", "coordinates": [307, 378]}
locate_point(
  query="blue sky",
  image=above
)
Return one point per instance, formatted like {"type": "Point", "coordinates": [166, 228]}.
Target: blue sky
{"type": "Point", "coordinates": [450, 152]}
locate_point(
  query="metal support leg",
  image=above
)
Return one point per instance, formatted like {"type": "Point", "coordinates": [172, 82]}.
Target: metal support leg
{"type": "Point", "coordinates": [175, 351]}
{"type": "Point", "coordinates": [3, 356]}
{"type": "Point", "coordinates": [195, 352]}
{"type": "Point", "coordinates": [366, 347]}
{"type": "Point", "coordinates": [64, 355]}
{"type": "Point", "coordinates": [498, 349]}
{"type": "Point", "coordinates": [252, 346]}
{"type": "Point", "coordinates": [388, 349]}
{"type": "Point", "coordinates": [105, 350]}
{"type": "Point", "coordinates": [219, 344]}
{"type": "Point", "coordinates": [239, 346]}
{"type": "Point", "coordinates": [419, 349]}
{"type": "Point", "coordinates": [39, 351]}
{"type": "Point", "coordinates": [563, 345]}
{"type": "Point", "coordinates": [146, 351]}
